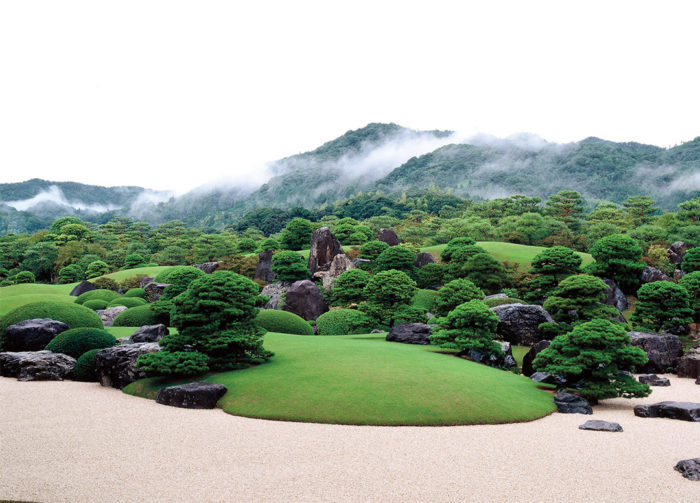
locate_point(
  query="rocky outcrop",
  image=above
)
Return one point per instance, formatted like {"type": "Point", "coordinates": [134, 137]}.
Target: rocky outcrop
{"type": "Point", "coordinates": [614, 296]}
{"type": "Point", "coordinates": [32, 335]}
{"type": "Point", "coordinates": [410, 333]}
{"type": "Point", "coordinates": [155, 290]}
{"type": "Point", "coordinates": [263, 272]}
{"type": "Point", "coordinates": [36, 365]}
{"type": "Point", "coordinates": [650, 274]}
{"type": "Point", "coordinates": [324, 246]}
{"type": "Point", "coordinates": [654, 380]}
{"type": "Point", "coordinates": [598, 425]}
{"type": "Point", "coordinates": [305, 299]}
{"type": "Point", "coordinates": [529, 357]}
{"type": "Point", "coordinates": [149, 333]}
{"type": "Point", "coordinates": [339, 265]}
{"type": "Point", "coordinates": [144, 282]}
{"type": "Point", "coordinates": [676, 252]}
{"type": "Point", "coordinates": [546, 378]}
{"type": "Point", "coordinates": [689, 364]}
{"type": "Point", "coordinates": [82, 287]}
{"type": "Point", "coordinates": [568, 403]}
{"type": "Point", "coordinates": [276, 293]}
{"type": "Point", "coordinates": [689, 468]}
{"type": "Point", "coordinates": [108, 315]}
{"type": "Point", "coordinates": [519, 323]}
{"type": "Point", "coordinates": [208, 267]}
{"type": "Point", "coordinates": [423, 259]}
{"type": "Point", "coordinates": [196, 395]}
{"type": "Point", "coordinates": [504, 361]}
{"type": "Point", "coordinates": [116, 366]}
{"type": "Point", "coordinates": [663, 350]}
{"type": "Point", "coordinates": [388, 236]}
{"type": "Point", "coordinates": [684, 411]}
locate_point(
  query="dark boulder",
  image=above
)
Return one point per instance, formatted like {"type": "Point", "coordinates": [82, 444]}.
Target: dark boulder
{"type": "Point", "coordinates": [519, 323]}
{"type": "Point", "coordinates": [116, 366]}
{"type": "Point", "coordinates": [663, 350]}
{"type": "Point", "coordinates": [424, 258]}
{"type": "Point", "coordinates": [196, 395]}
{"type": "Point", "coordinates": [32, 335]}
{"type": "Point", "coordinates": [546, 378]}
{"type": "Point", "coordinates": [679, 330]}
{"type": "Point", "coordinates": [568, 403]}
{"type": "Point", "coordinates": [155, 290]}
{"type": "Point", "coordinates": [614, 296]}
{"type": "Point", "coordinates": [689, 364]}
{"type": "Point", "coordinates": [82, 287]}
{"type": "Point", "coordinates": [144, 282]}
{"type": "Point", "coordinates": [654, 380]}
{"type": "Point", "coordinates": [529, 357]}
{"type": "Point", "coordinates": [275, 292]}
{"type": "Point", "coordinates": [506, 360]}
{"type": "Point", "coordinates": [208, 267]}
{"type": "Point", "coordinates": [598, 425]}
{"type": "Point", "coordinates": [676, 252]}
{"type": "Point", "coordinates": [149, 333]}
{"type": "Point", "coordinates": [324, 246]}
{"type": "Point", "coordinates": [388, 236]}
{"type": "Point", "coordinates": [684, 411]}
{"type": "Point", "coordinates": [689, 468]}
{"type": "Point", "coordinates": [108, 315]}
{"type": "Point", "coordinates": [305, 299]}
{"type": "Point", "coordinates": [410, 333]}
{"type": "Point", "coordinates": [36, 365]}
{"type": "Point", "coordinates": [263, 272]}
{"type": "Point", "coordinates": [651, 274]}
{"type": "Point", "coordinates": [678, 274]}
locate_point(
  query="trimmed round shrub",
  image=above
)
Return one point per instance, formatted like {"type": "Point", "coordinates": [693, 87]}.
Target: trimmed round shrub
{"type": "Point", "coordinates": [136, 317]}
{"type": "Point", "coordinates": [96, 268]}
{"type": "Point", "coordinates": [77, 341]}
{"type": "Point", "coordinates": [283, 322]}
{"type": "Point", "coordinates": [24, 277]}
{"type": "Point", "coordinates": [85, 369]}
{"type": "Point", "coordinates": [96, 304]}
{"type": "Point", "coordinates": [106, 283]}
{"type": "Point", "coordinates": [343, 322]}
{"type": "Point", "coordinates": [501, 301]}
{"type": "Point", "coordinates": [101, 294]}
{"type": "Point", "coordinates": [454, 293]}
{"type": "Point", "coordinates": [127, 302]}
{"type": "Point", "coordinates": [180, 270]}
{"type": "Point", "coordinates": [71, 314]}
{"type": "Point", "coordinates": [136, 292]}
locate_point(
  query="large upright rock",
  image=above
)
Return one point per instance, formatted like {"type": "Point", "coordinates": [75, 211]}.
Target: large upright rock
{"type": "Point", "coordinates": [689, 364]}
{"type": "Point", "coordinates": [410, 333]}
{"type": "Point", "coordinates": [263, 271]}
{"type": "Point", "coordinates": [36, 365]}
{"type": "Point", "coordinates": [82, 287]}
{"type": "Point", "coordinates": [109, 315]}
{"type": "Point", "coordinates": [339, 265]}
{"type": "Point", "coordinates": [208, 267]}
{"type": "Point", "coordinates": [155, 290]}
{"type": "Point", "coordinates": [614, 296]}
{"type": "Point", "coordinates": [663, 350]}
{"type": "Point", "coordinates": [275, 292]}
{"type": "Point", "coordinates": [116, 366]}
{"type": "Point", "coordinates": [388, 236]}
{"type": "Point", "coordinates": [423, 259]}
{"type": "Point", "coordinates": [676, 252]}
{"type": "Point", "coordinates": [305, 299]}
{"type": "Point", "coordinates": [324, 246]}
{"type": "Point", "coordinates": [519, 323]}
{"type": "Point", "coordinates": [651, 274]}
{"type": "Point", "coordinates": [529, 357]}
{"type": "Point", "coordinates": [32, 335]}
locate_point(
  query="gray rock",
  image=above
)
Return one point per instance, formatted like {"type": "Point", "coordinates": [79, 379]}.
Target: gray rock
{"type": "Point", "coordinates": [155, 290]}
{"type": "Point", "coordinates": [689, 468]}
{"type": "Point", "coordinates": [697, 381]}
{"type": "Point", "coordinates": [324, 246]}
{"type": "Point", "coordinates": [82, 287]}
{"type": "Point", "coordinates": [654, 380]}
{"type": "Point", "coordinates": [32, 335]}
{"type": "Point", "coordinates": [423, 259]}
{"type": "Point", "coordinates": [544, 377]}
{"type": "Point", "coordinates": [377, 331]}
{"type": "Point", "coordinates": [388, 236]}
{"type": "Point", "coordinates": [275, 292]}
{"type": "Point", "coordinates": [519, 323]}
{"type": "Point", "coordinates": [529, 357]}
{"type": "Point", "coordinates": [689, 364]}
{"type": "Point", "coordinates": [504, 361]}
{"type": "Point", "coordinates": [149, 333]}
{"type": "Point", "coordinates": [651, 274]}
{"type": "Point", "coordinates": [108, 315]}
{"type": "Point", "coordinates": [144, 282]}
{"type": "Point", "coordinates": [196, 395]}
{"type": "Point", "coordinates": [507, 360]}
{"type": "Point", "coordinates": [496, 296]}
{"type": "Point", "coordinates": [124, 340]}
{"type": "Point", "coordinates": [679, 330]}
{"type": "Point", "coordinates": [664, 351]}
{"type": "Point", "coordinates": [598, 425]}
{"type": "Point", "coordinates": [305, 299]}
{"type": "Point", "coordinates": [676, 252]}
{"type": "Point", "coordinates": [36, 365]}
{"type": "Point", "coordinates": [678, 274]}
{"type": "Point", "coordinates": [614, 296]}
{"type": "Point", "coordinates": [116, 366]}
{"type": "Point", "coordinates": [339, 265]}
{"type": "Point", "coordinates": [684, 411]}
{"type": "Point", "coordinates": [568, 403]}
{"type": "Point", "coordinates": [208, 267]}
{"type": "Point", "coordinates": [410, 333]}
{"type": "Point", "coordinates": [263, 271]}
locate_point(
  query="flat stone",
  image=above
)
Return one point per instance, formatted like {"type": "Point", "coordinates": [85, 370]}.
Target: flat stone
{"type": "Point", "coordinates": [196, 395]}
{"type": "Point", "coordinates": [36, 365]}
{"type": "Point", "coordinates": [32, 335]}
{"type": "Point", "coordinates": [684, 411]}
{"type": "Point", "coordinates": [598, 425]}
{"type": "Point", "coordinates": [568, 403]}
{"type": "Point", "coordinates": [689, 468]}
{"type": "Point", "coordinates": [654, 380]}
{"type": "Point", "coordinates": [410, 333]}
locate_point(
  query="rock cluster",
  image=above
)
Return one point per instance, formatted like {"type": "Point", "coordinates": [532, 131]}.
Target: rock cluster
{"type": "Point", "coordinates": [676, 252]}
{"type": "Point", "coordinates": [116, 366]}
{"type": "Point", "coordinates": [654, 380]}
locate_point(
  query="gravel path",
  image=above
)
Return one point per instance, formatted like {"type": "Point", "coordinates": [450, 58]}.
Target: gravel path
{"type": "Point", "coordinates": [77, 442]}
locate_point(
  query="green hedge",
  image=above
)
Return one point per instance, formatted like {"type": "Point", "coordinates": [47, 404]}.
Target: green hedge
{"type": "Point", "coordinates": [96, 304]}
{"type": "Point", "coordinates": [128, 302]}
{"type": "Point", "coordinates": [283, 322]}
{"type": "Point", "coordinates": [136, 317]}
{"type": "Point", "coordinates": [85, 369]}
{"type": "Point", "coordinates": [77, 341]}
{"type": "Point", "coordinates": [136, 292]}
{"type": "Point", "coordinates": [343, 322]}
{"type": "Point", "coordinates": [99, 294]}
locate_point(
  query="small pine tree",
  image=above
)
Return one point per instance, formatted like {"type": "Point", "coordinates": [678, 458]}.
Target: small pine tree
{"type": "Point", "coordinates": [691, 282]}
{"type": "Point", "coordinates": [486, 272]}
{"type": "Point", "coordinates": [617, 257]}
{"type": "Point", "coordinates": [297, 234]}
{"type": "Point", "coordinates": [289, 266]}
{"type": "Point", "coordinates": [662, 305]}
{"type": "Point", "coordinates": [691, 260]}
{"type": "Point", "coordinates": [349, 287]}
{"type": "Point", "coordinates": [454, 293]}
{"type": "Point", "coordinates": [454, 244]}
{"type": "Point", "coordinates": [388, 293]}
{"type": "Point", "coordinates": [469, 327]}
{"type": "Point", "coordinates": [551, 266]}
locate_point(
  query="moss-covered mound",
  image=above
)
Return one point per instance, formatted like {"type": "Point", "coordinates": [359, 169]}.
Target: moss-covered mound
{"type": "Point", "coordinates": [100, 294]}
{"type": "Point", "coordinates": [85, 367]}
{"type": "Point", "coordinates": [77, 341]}
{"type": "Point", "coordinates": [283, 322]}
{"type": "Point", "coordinates": [127, 302]}
{"type": "Point", "coordinates": [96, 304]}
{"type": "Point", "coordinates": [136, 317]}
{"type": "Point", "coordinates": [136, 292]}
{"type": "Point", "coordinates": [343, 322]}
{"type": "Point", "coordinates": [167, 275]}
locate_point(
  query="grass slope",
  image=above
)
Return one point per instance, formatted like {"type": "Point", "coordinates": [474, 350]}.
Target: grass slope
{"type": "Point", "coordinates": [366, 380]}
{"type": "Point", "coordinates": [15, 296]}
{"type": "Point", "coordinates": [129, 273]}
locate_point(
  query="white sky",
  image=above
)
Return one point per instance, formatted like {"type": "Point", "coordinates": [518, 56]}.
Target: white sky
{"type": "Point", "coordinates": [172, 94]}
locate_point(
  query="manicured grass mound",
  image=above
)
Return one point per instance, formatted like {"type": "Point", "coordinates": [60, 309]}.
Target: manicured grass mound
{"type": "Point", "coordinates": [341, 322]}
{"type": "Point", "coordinates": [136, 292]}
{"type": "Point", "coordinates": [365, 380]}
{"type": "Point", "coordinates": [136, 317]}
{"type": "Point", "coordinates": [150, 271]}
{"type": "Point", "coordinates": [84, 369]}
{"type": "Point", "coordinates": [96, 304]}
{"type": "Point", "coordinates": [128, 302]}
{"type": "Point", "coordinates": [283, 322]}
{"type": "Point", "coordinates": [500, 301]}
{"type": "Point", "coordinates": [77, 341]}
{"type": "Point", "coordinates": [99, 294]}
{"type": "Point", "coordinates": [164, 276]}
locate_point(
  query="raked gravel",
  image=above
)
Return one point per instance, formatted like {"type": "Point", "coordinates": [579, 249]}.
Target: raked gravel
{"type": "Point", "coordinates": [79, 442]}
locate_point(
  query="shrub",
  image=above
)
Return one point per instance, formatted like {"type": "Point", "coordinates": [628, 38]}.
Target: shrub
{"type": "Point", "coordinates": [454, 293]}
{"type": "Point", "coordinates": [85, 369]}
{"type": "Point", "coordinates": [372, 249]}
{"type": "Point", "coordinates": [349, 287]}
{"type": "Point", "coordinates": [127, 302]}
{"type": "Point", "coordinates": [96, 268]}
{"type": "Point", "coordinates": [96, 304]}
{"type": "Point", "coordinates": [136, 292]}
{"type": "Point", "coordinates": [617, 257]}
{"type": "Point", "coordinates": [70, 274]}
{"type": "Point", "coordinates": [551, 266]}
{"type": "Point", "coordinates": [24, 277]}
{"type": "Point", "coordinates": [691, 260]}
{"type": "Point", "coordinates": [387, 293]}
{"type": "Point", "coordinates": [343, 322]}
{"type": "Point", "coordinates": [179, 279]}
{"type": "Point", "coordinates": [501, 301]}
{"type": "Point", "coordinates": [246, 245]}
{"type": "Point", "coordinates": [76, 341]}
{"type": "Point", "coordinates": [468, 327]}
{"type": "Point", "coordinates": [289, 266]}
{"type": "Point", "coordinates": [579, 298]}
{"type": "Point", "coordinates": [297, 234]}
{"type": "Point", "coordinates": [460, 258]}
{"type": "Point", "coordinates": [136, 317]}
{"type": "Point", "coordinates": [691, 282]}
{"type": "Point", "coordinates": [134, 260]}
{"type": "Point", "coordinates": [283, 322]}
{"type": "Point", "coordinates": [132, 282]}
{"type": "Point", "coordinates": [486, 272]}
{"type": "Point", "coordinates": [661, 305]}
{"type": "Point", "coordinates": [104, 283]}
{"type": "Point", "coordinates": [454, 244]}
{"type": "Point", "coordinates": [177, 272]}
{"type": "Point", "coordinates": [100, 293]}
{"type": "Point", "coordinates": [431, 275]}
{"type": "Point", "coordinates": [398, 258]}
{"type": "Point", "coordinates": [424, 300]}
{"type": "Point", "coordinates": [178, 363]}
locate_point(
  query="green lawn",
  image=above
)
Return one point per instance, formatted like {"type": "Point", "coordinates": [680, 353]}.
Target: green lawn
{"type": "Point", "coordinates": [129, 273]}
{"type": "Point", "coordinates": [15, 296]}
{"type": "Point", "coordinates": [365, 380]}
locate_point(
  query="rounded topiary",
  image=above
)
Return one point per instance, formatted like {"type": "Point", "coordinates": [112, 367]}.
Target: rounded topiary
{"type": "Point", "coordinates": [343, 322]}
{"type": "Point", "coordinates": [77, 341]}
{"type": "Point", "coordinates": [127, 302]}
{"type": "Point", "coordinates": [136, 292]}
{"type": "Point", "coordinates": [454, 293]}
{"type": "Point", "coordinates": [100, 293]}
{"type": "Point", "coordinates": [180, 270]}
{"type": "Point", "coordinates": [96, 304]}
{"type": "Point", "coordinates": [283, 322]}
{"type": "Point", "coordinates": [136, 317]}
{"type": "Point", "coordinates": [84, 369]}
{"type": "Point", "coordinates": [24, 277]}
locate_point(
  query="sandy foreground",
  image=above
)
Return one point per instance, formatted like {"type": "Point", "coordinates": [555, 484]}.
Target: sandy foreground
{"type": "Point", "coordinates": [80, 442]}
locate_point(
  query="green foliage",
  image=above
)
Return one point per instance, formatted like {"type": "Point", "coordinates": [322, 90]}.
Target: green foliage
{"type": "Point", "coordinates": [639, 209]}
{"type": "Point", "coordinates": [566, 206]}
{"type": "Point", "coordinates": [343, 322]}
{"type": "Point", "coordinates": [500, 301]}
{"type": "Point", "coordinates": [349, 287]}
{"type": "Point", "coordinates": [398, 258]}
{"type": "Point", "coordinates": [174, 255]}
{"type": "Point", "coordinates": [289, 266]}
{"type": "Point", "coordinates": [431, 275]}
{"type": "Point", "coordinates": [387, 293]}
{"type": "Point", "coordinates": [96, 304]}
{"type": "Point", "coordinates": [176, 274]}
{"type": "Point", "coordinates": [661, 305]}
{"type": "Point", "coordinates": [283, 322]}
{"type": "Point", "coordinates": [85, 369]}
{"type": "Point", "coordinates": [177, 363]}
{"type": "Point", "coordinates": [70, 274]}
{"type": "Point", "coordinates": [579, 298]}
{"type": "Point", "coordinates": [297, 234]}
{"type": "Point", "coordinates": [77, 341]}
{"type": "Point", "coordinates": [486, 272]}
{"type": "Point", "coordinates": [134, 260]}
{"type": "Point", "coordinates": [23, 277]}
{"type": "Point", "coordinates": [127, 302]}
{"type": "Point", "coordinates": [691, 260]}
{"type": "Point", "coordinates": [96, 268]}
{"type": "Point", "coordinates": [372, 250]}
{"type": "Point", "coordinates": [470, 326]}
{"type": "Point", "coordinates": [691, 283]}
{"type": "Point", "coordinates": [551, 266]}
{"type": "Point", "coordinates": [594, 357]}
{"type": "Point", "coordinates": [100, 293]}
{"type": "Point", "coordinates": [453, 245]}
{"type": "Point", "coordinates": [424, 300]}
{"type": "Point", "coordinates": [617, 257]}
{"type": "Point", "coordinates": [454, 293]}
{"type": "Point", "coordinates": [105, 283]}
{"type": "Point", "coordinates": [136, 317]}
{"type": "Point", "coordinates": [136, 292]}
